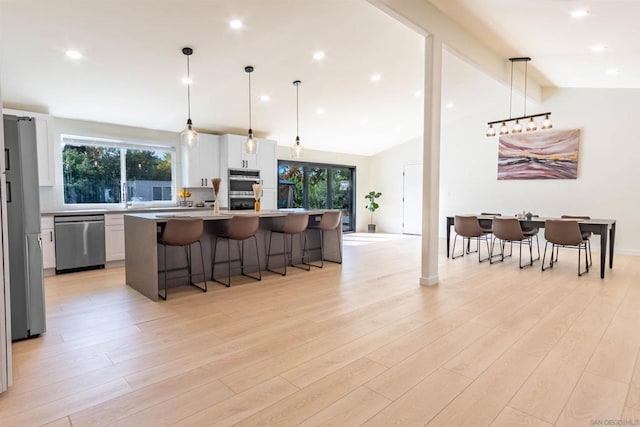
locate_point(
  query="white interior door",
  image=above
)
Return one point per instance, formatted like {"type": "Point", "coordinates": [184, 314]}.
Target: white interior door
{"type": "Point", "coordinates": [412, 200]}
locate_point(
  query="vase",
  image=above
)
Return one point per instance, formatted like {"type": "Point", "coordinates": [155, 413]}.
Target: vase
{"type": "Point", "coordinates": [216, 207]}
{"type": "Point", "coordinates": [256, 206]}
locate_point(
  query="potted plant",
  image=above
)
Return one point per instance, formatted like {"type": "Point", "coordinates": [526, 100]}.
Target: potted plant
{"type": "Point", "coordinates": [372, 206]}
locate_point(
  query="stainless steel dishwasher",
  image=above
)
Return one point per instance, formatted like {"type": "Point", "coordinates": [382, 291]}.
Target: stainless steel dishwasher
{"type": "Point", "coordinates": [79, 242]}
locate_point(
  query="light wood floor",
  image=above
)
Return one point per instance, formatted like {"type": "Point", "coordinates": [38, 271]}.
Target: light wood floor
{"type": "Point", "coordinates": [357, 344]}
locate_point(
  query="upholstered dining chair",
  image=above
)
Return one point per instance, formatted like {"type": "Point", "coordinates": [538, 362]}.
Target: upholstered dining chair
{"type": "Point", "coordinates": [468, 227]}
{"type": "Point", "coordinates": [240, 228]}
{"type": "Point", "coordinates": [509, 230]}
{"type": "Point", "coordinates": [182, 233]}
{"type": "Point", "coordinates": [586, 235]}
{"type": "Point", "coordinates": [566, 234]}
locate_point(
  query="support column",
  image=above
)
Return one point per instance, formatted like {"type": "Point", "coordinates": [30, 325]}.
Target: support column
{"type": "Point", "coordinates": [431, 160]}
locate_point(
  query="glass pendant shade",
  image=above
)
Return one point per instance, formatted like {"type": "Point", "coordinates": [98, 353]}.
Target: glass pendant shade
{"type": "Point", "coordinates": [547, 124]}
{"type": "Point", "coordinates": [250, 144]}
{"type": "Point", "coordinates": [504, 130]}
{"type": "Point", "coordinates": [189, 136]}
{"type": "Point", "coordinates": [532, 126]}
{"type": "Point", "coordinates": [491, 131]}
{"type": "Point", "coordinates": [296, 149]}
{"type": "Point", "coordinates": [517, 128]}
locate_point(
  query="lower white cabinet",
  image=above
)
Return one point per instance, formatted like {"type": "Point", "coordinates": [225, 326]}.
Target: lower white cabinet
{"type": "Point", "coordinates": [48, 242]}
{"type": "Point", "coordinates": [114, 237]}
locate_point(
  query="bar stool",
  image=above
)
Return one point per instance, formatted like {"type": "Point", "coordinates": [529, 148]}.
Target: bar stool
{"type": "Point", "coordinates": [240, 229]}
{"type": "Point", "coordinates": [182, 233]}
{"type": "Point", "coordinates": [292, 224]}
{"type": "Point", "coordinates": [330, 221]}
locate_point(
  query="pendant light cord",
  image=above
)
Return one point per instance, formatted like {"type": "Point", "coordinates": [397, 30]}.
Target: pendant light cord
{"type": "Point", "coordinates": [249, 100]}
{"type": "Point", "coordinates": [526, 64]}
{"type": "Point", "coordinates": [511, 92]}
{"type": "Point", "coordinates": [297, 112]}
{"type": "Point", "coordinates": [188, 88]}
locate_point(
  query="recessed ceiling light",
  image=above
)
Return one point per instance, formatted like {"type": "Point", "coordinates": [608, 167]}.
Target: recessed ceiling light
{"type": "Point", "coordinates": [320, 111]}
{"type": "Point", "coordinates": [319, 55]}
{"type": "Point", "coordinates": [417, 93]}
{"type": "Point", "coordinates": [265, 98]}
{"type": "Point", "coordinates": [449, 105]}
{"type": "Point", "coordinates": [598, 48]}
{"type": "Point", "coordinates": [236, 24]}
{"type": "Point", "coordinates": [363, 121]}
{"type": "Point", "coordinates": [612, 71]}
{"type": "Point", "coordinates": [579, 13]}
{"type": "Point", "coordinates": [376, 77]}
{"type": "Point", "coordinates": [73, 54]}
{"type": "Point", "coordinates": [187, 80]}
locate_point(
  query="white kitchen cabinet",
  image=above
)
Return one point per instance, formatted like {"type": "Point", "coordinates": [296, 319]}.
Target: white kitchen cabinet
{"type": "Point", "coordinates": [45, 145]}
{"type": "Point", "coordinates": [233, 154]}
{"type": "Point", "coordinates": [268, 163]}
{"type": "Point", "coordinates": [114, 237]}
{"type": "Point", "coordinates": [268, 200]}
{"type": "Point", "coordinates": [48, 242]}
{"type": "Point", "coordinates": [201, 162]}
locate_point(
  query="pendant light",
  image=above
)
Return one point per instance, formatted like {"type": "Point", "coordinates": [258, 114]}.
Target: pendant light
{"type": "Point", "coordinates": [517, 127]}
{"type": "Point", "coordinates": [189, 136]}
{"type": "Point", "coordinates": [250, 145]}
{"type": "Point", "coordinates": [296, 149]}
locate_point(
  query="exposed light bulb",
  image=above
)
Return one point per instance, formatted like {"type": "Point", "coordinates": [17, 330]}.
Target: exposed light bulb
{"type": "Point", "coordinates": [250, 144]}
{"type": "Point", "coordinates": [532, 126]}
{"type": "Point", "coordinates": [491, 131]}
{"type": "Point", "coordinates": [517, 128]}
{"type": "Point", "coordinates": [189, 136]}
{"type": "Point", "coordinates": [504, 130]}
{"type": "Point", "coordinates": [547, 124]}
{"type": "Point", "coordinates": [296, 149]}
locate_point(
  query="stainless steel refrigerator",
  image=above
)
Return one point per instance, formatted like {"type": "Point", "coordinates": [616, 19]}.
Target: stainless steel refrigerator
{"type": "Point", "coordinates": [23, 218]}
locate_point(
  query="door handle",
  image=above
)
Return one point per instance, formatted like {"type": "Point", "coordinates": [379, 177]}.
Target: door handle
{"type": "Point", "coordinates": [8, 192]}
{"type": "Point", "coordinates": [7, 162]}
{"type": "Point", "coordinates": [205, 182]}
{"type": "Point", "coordinates": [51, 236]}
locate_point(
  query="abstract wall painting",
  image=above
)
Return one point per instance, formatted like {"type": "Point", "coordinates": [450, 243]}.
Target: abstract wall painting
{"type": "Point", "coordinates": [549, 154]}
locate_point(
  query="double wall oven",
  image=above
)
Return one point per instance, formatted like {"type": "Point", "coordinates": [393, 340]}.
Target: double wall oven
{"type": "Point", "coordinates": [241, 188]}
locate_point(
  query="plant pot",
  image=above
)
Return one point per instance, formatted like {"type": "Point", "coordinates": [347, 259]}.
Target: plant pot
{"type": "Point", "coordinates": [371, 228]}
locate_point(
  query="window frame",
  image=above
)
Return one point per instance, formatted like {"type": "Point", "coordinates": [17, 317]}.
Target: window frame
{"type": "Point", "coordinates": [123, 146]}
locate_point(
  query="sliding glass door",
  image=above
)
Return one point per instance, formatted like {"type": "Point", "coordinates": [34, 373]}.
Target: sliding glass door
{"type": "Point", "coordinates": [318, 186]}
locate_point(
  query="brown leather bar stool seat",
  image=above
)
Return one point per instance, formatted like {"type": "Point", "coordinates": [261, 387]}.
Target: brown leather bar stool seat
{"type": "Point", "coordinates": [468, 227]}
{"type": "Point", "coordinates": [182, 233]}
{"type": "Point", "coordinates": [240, 228]}
{"type": "Point", "coordinates": [330, 221]}
{"type": "Point", "coordinates": [290, 225]}
{"type": "Point", "coordinates": [564, 233]}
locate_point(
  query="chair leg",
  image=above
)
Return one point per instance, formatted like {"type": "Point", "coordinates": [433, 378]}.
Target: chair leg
{"type": "Point", "coordinates": [259, 277]}
{"type": "Point", "coordinates": [453, 251]}
{"type": "Point", "coordinates": [320, 232]}
{"type": "Point", "coordinates": [303, 247]}
{"type": "Point", "coordinates": [202, 288]}
{"type": "Point", "coordinates": [545, 256]}
{"type": "Point", "coordinates": [488, 258]}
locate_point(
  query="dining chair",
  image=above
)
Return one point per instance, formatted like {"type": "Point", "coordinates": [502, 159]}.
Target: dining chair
{"type": "Point", "coordinates": [566, 234]}
{"type": "Point", "coordinates": [468, 227]}
{"type": "Point", "coordinates": [509, 230]}
{"type": "Point", "coordinates": [240, 229]}
{"type": "Point", "coordinates": [586, 235]}
{"type": "Point", "coordinates": [182, 233]}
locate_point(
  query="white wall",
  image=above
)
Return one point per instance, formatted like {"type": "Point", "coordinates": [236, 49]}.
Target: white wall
{"type": "Point", "coordinates": [608, 176]}
{"type": "Point", "coordinates": [386, 177]}
{"type": "Point", "coordinates": [51, 198]}
{"type": "Point", "coordinates": [362, 165]}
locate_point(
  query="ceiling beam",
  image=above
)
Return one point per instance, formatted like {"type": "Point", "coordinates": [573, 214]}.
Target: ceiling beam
{"type": "Point", "coordinates": [424, 18]}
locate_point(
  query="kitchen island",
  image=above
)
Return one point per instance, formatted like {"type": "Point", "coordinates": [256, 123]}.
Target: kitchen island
{"type": "Point", "coordinates": [144, 259]}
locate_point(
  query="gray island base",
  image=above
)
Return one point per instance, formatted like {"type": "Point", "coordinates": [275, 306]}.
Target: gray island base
{"type": "Point", "coordinates": [144, 259]}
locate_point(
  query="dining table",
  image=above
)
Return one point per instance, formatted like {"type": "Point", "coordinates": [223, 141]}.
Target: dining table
{"type": "Point", "coordinates": [605, 228]}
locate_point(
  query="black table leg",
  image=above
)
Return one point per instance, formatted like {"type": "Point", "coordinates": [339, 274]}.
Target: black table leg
{"type": "Point", "coordinates": [603, 249]}
{"type": "Point", "coordinates": [448, 236]}
{"type": "Point", "coordinates": [612, 241]}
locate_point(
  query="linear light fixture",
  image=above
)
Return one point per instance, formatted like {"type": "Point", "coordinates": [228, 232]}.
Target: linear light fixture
{"type": "Point", "coordinates": [517, 127]}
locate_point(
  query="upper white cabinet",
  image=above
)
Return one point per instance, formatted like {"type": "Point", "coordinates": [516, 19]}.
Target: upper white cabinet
{"type": "Point", "coordinates": [268, 163]}
{"type": "Point", "coordinates": [200, 163]}
{"type": "Point", "coordinates": [233, 155]}
{"type": "Point", "coordinates": [45, 142]}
